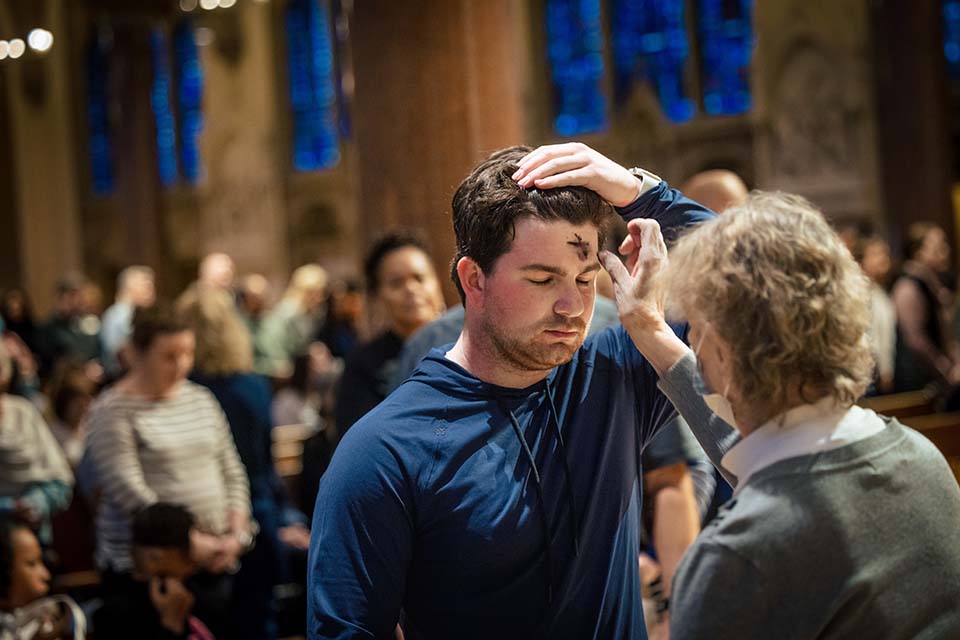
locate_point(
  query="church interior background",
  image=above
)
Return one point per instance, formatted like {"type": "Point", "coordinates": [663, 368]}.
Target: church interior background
{"type": "Point", "coordinates": [290, 131]}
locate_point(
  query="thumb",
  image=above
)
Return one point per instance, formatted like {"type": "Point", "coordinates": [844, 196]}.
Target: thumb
{"type": "Point", "coordinates": [618, 272]}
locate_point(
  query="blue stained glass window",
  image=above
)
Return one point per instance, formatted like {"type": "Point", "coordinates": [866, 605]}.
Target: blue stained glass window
{"type": "Point", "coordinates": [951, 36]}
{"type": "Point", "coordinates": [650, 44]}
{"type": "Point", "coordinates": [575, 54]}
{"type": "Point", "coordinates": [726, 44]}
{"type": "Point", "coordinates": [162, 111]}
{"type": "Point", "coordinates": [313, 94]}
{"type": "Point", "coordinates": [98, 121]}
{"type": "Point", "coordinates": [189, 98]}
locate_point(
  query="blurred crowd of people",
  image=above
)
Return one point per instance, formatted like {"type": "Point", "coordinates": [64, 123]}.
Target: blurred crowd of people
{"type": "Point", "coordinates": [136, 441]}
{"type": "Point", "coordinates": [915, 316]}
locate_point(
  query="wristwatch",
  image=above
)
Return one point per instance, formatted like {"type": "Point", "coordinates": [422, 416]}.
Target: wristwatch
{"type": "Point", "coordinates": [648, 179]}
{"type": "Point", "coordinates": [248, 537]}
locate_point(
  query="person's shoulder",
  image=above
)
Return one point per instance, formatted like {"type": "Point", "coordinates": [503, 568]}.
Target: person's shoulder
{"type": "Point", "coordinates": [920, 450]}
{"type": "Point", "coordinates": [755, 518]}
{"type": "Point", "coordinates": [19, 404]}
{"type": "Point", "coordinates": [192, 391]}
{"type": "Point", "coordinates": [370, 355]}
{"type": "Point", "coordinates": [109, 399]}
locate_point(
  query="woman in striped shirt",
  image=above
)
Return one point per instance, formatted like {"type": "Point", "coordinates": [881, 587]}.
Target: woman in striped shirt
{"type": "Point", "coordinates": [155, 436]}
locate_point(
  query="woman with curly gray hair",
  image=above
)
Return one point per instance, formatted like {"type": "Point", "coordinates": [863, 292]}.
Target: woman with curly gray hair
{"type": "Point", "coordinates": [843, 522]}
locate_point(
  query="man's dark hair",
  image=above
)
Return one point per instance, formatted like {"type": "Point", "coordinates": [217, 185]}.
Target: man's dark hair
{"type": "Point", "coordinates": [384, 246]}
{"type": "Point", "coordinates": [155, 321]}
{"type": "Point", "coordinates": [69, 282]}
{"type": "Point", "coordinates": [8, 524]}
{"type": "Point", "coordinates": [163, 525]}
{"type": "Point", "coordinates": [488, 204]}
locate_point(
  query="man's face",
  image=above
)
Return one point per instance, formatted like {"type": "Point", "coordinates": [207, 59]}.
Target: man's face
{"type": "Point", "coordinates": [217, 271]}
{"type": "Point", "coordinates": [70, 303]}
{"type": "Point", "coordinates": [143, 291]}
{"type": "Point", "coordinates": [408, 289]}
{"type": "Point", "coordinates": [162, 562]}
{"type": "Point", "coordinates": [537, 300]}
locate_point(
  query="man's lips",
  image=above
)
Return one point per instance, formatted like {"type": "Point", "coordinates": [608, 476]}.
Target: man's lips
{"type": "Point", "coordinates": [562, 333]}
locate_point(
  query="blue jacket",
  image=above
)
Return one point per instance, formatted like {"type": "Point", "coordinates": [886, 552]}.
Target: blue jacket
{"type": "Point", "coordinates": [490, 512]}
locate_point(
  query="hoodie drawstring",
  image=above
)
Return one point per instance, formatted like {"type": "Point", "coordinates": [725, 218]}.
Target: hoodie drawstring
{"type": "Point", "coordinates": [574, 520]}
{"type": "Point", "coordinates": [541, 504]}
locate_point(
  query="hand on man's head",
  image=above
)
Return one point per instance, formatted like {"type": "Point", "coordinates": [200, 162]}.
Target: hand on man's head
{"type": "Point", "coordinates": [574, 164]}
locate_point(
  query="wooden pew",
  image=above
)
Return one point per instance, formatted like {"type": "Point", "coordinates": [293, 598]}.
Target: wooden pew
{"type": "Point", "coordinates": [901, 405]}
{"type": "Point", "coordinates": [287, 452]}
{"type": "Point", "coordinates": [943, 430]}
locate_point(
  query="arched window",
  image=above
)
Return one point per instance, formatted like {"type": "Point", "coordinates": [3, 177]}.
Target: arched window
{"type": "Point", "coordinates": [726, 42]}
{"type": "Point", "coordinates": [163, 117]}
{"type": "Point", "coordinates": [313, 93]}
{"type": "Point", "coordinates": [654, 42]}
{"type": "Point", "coordinates": [951, 36]}
{"type": "Point", "coordinates": [100, 144]}
{"type": "Point", "coordinates": [650, 44]}
{"type": "Point", "coordinates": [575, 53]}
{"type": "Point", "coordinates": [189, 96]}
{"type": "Point", "coordinates": [177, 100]}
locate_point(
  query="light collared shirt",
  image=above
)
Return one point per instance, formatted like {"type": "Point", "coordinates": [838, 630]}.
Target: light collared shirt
{"type": "Point", "coordinates": [803, 430]}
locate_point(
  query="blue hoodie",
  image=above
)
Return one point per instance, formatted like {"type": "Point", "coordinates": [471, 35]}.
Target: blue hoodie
{"type": "Point", "coordinates": [491, 512]}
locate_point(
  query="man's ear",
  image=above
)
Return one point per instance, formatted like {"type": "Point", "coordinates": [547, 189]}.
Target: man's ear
{"type": "Point", "coordinates": [473, 281]}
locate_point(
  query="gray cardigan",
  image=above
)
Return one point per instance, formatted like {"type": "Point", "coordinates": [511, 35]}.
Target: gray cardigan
{"type": "Point", "coordinates": [861, 541]}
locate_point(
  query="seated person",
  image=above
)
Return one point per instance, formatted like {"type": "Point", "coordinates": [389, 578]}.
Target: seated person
{"type": "Point", "coordinates": [25, 611]}
{"type": "Point", "coordinates": [158, 603]}
{"type": "Point", "coordinates": [35, 478]}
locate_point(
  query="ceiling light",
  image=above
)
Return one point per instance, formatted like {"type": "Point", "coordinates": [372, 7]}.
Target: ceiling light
{"type": "Point", "coordinates": [40, 40]}
{"type": "Point", "coordinates": [17, 47]}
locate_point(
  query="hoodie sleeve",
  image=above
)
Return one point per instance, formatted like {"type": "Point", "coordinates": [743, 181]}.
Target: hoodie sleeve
{"type": "Point", "coordinates": [670, 208]}
{"type": "Point", "coordinates": [361, 542]}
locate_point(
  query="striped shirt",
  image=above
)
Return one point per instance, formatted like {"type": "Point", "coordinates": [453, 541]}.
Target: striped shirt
{"type": "Point", "coordinates": [178, 449]}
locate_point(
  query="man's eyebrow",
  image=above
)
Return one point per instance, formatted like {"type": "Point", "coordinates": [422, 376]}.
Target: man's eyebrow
{"type": "Point", "coordinates": [594, 267]}
{"type": "Point", "coordinates": [557, 270]}
{"type": "Point", "coordinates": [544, 267]}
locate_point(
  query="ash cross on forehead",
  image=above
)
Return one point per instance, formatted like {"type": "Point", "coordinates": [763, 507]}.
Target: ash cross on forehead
{"type": "Point", "coordinates": [582, 246]}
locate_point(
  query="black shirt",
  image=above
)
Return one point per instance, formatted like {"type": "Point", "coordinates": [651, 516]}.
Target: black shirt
{"type": "Point", "coordinates": [366, 378]}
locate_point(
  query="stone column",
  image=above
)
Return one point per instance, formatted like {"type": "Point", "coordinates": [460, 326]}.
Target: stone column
{"type": "Point", "coordinates": [438, 86]}
{"type": "Point", "coordinates": [913, 107]}
{"type": "Point", "coordinates": [44, 158]}
{"type": "Point", "coordinates": [242, 192]}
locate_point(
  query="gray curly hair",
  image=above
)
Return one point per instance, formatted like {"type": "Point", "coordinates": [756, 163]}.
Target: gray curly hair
{"type": "Point", "coordinates": [779, 286]}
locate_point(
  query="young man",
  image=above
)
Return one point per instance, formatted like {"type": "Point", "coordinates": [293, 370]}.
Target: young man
{"type": "Point", "coordinates": [496, 493]}
{"type": "Point", "coordinates": [136, 289]}
{"type": "Point", "coordinates": [158, 603]}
